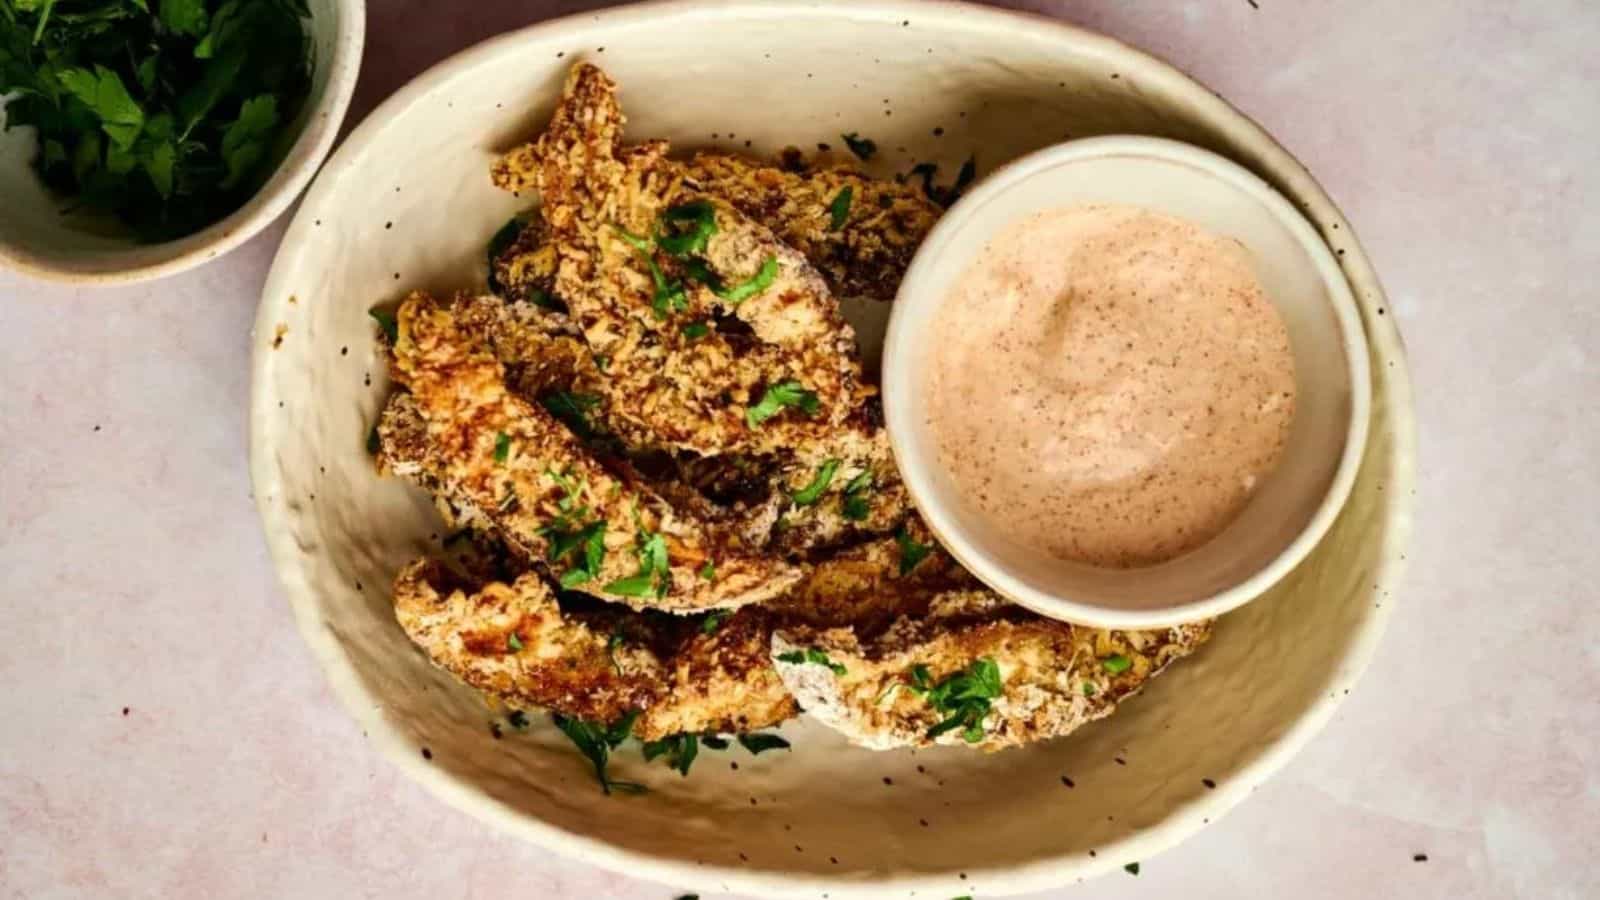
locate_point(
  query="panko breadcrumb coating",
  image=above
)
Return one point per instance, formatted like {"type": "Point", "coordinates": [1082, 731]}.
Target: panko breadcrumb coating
{"type": "Point", "coordinates": [526, 473]}
{"type": "Point", "coordinates": [689, 362]}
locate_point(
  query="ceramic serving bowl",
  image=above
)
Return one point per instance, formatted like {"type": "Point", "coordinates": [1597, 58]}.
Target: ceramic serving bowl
{"type": "Point", "coordinates": [38, 238]}
{"type": "Point", "coordinates": [406, 203]}
{"type": "Point", "coordinates": [1292, 506]}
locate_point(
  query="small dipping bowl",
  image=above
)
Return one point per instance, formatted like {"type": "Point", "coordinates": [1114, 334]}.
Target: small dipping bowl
{"type": "Point", "coordinates": [1290, 508]}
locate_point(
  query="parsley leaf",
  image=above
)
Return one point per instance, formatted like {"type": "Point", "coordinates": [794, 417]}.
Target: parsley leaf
{"type": "Point", "coordinates": [641, 585]}
{"type": "Point", "coordinates": [1131, 868]}
{"type": "Point", "coordinates": [1116, 664]}
{"type": "Point", "coordinates": [714, 742]}
{"type": "Point", "coordinates": [963, 697]}
{"type": "Point", "coordinates": [839, 209]}
{"type": "Point", "coordinates": [855, 506]}
{"type": "Point", "coordinates": [701, 218]}
{"type": "Point", "coordinates": [184, 16]}
{"type": "Point", "coordinates": [502, 447]}
{"type": "Point", "coordinates": [863, 148]}
{"type": "Point", "coordinates": [679, 749]}
{"type": "Point", "coordinates": [812, 656]}
{"type": "Point", "coordinates": [813, 491]}
{"type": "Point", "coordinates": [572, 409]}
{"type": "Point", "coordinates": [694, 331]}
{"type": "Point", "coordinates": [754, 285]}
{"type": "Point", "coordinates": [612, 643]}
{"type": "Point", "coordinates": [709, 571]}
{"type": "Point", "coordinates": [498, 245]}
{"type": "Point", "coordinates": [514, 641]}
{"type": "Point", "coordinates": [103, 92]}
{"type": "Point", "coordinates": [777, 397]}
{"type": "Point", "coordinates": [911, 552]}
{"type": "Point", "coordinates": [757, 743]}
{"type": "Point", "coordinates": [386, 321]}
{"type": "Point", "coordinates": [714, 620]}
{"type": "Point", "coordinates": [596, 741]}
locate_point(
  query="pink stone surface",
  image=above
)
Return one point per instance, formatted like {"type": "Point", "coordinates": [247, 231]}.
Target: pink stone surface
{"type": "Point", "coordinates": [1460, 137]}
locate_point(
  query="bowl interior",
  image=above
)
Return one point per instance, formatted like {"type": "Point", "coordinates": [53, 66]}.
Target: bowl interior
{"type": "Point", "coordinates": [41, 232]}
{"type": "Point", "coordinates": [407, 203]}
{"type": "Point", "coordinates": [1293, 505]}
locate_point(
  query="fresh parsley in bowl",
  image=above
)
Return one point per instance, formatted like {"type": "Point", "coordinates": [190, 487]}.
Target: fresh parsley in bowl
{"type": "Point", "coordinates": [157, 133]}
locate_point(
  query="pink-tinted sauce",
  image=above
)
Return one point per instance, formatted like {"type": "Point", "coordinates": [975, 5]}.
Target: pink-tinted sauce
{"type": "Point", "coordinates": [1109, 384]}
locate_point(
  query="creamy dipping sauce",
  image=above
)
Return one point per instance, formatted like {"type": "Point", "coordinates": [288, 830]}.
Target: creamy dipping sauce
{"type": "Point", "coordinates": [1109, 384]}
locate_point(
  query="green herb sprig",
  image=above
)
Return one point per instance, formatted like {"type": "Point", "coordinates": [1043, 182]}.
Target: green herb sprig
{"type": "Point", "coordinates": [963, 697]}
{"type": "Point", "coordinates": [596, 741]}
{"type": "Point", "coordinates": [166, 115]}
{"type": "Point", "coordinates": [811, 656]}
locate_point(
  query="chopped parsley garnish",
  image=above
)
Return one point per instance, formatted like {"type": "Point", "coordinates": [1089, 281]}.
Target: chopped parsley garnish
{"type": "Point", "coordinates": [514, 641]}
{"type": "Point", "coordinates": [498, 245]}
{"type": "Point", "coordinates": [1131, 868]}
{"type": "Point", "coordinates": [373, 442]}
{"type": "Point", "coordinates": [1116, 664]}
{"type": "Point", "coordinates": [687, 897]}
{"type": "Point", "coordinates": [694, 331]}
{"type": "Point", "coordinates": [165, 115]}
{"type": "Point", "coordinates": [641, 585]}
{"type": "Point", "coordinates": [655, 570]}
{"type": "Point", "coordinates": [812, 656]}
{"type": "Point", "coordinates": [709, 571]}
{"type": "Point", "coordinates": [855, 506]}
{"type": "Point", "coordinates": [714, 742]}
{"type": "Point", "coordinates": [759, 743]}
{"type": "Point", "coordinates": [591, 541]}
{"type": "Point", "coordinates": [596, 741]}
{"type": "Point", "coordinates": [944, 196]}
{"type": "Point", "coordinates": [386, 321]}
{"type": "Point", "coordinates": [714, 620]}
{"type": "Point", "coordinates": [812, 492]}
{"type": "Point", "coordinates": [572, 409]}
{"type": "Point", "coordinates": [753, 285]}
{"type": "Point", "coordinates": [612, 643]}
{"type": "Point", "coordinates": [963, 697]}
{"type": "Point", "coordinates": [697, 270]}
{"type": "Point", "coordinates": [1089, 689]}
{"type": "Point", "coordinates": [502, 447]}
{"type": "Point", "coordinates": [911, 552]}
{"type": "Point", "coordinates": [839, 209]}
{"type": "Point", "coordinates": [669, 295]}
{"type": "Point", "coordinates": [863, 148]}
{"type": "Point", "coordinates": [701, 220]}
{"type": "Point", "coordinates": [638, 243]}
{"type": "Point", "coordinates": [679, 749]}
{"type": "Point", "coordinates": [777, 397]}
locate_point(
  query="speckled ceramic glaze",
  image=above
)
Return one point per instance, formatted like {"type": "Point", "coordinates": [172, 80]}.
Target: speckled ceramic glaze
{"type": "Point", "coordinates": [37, 238]}
{"type": "Point", "coordinates": [407, 203]}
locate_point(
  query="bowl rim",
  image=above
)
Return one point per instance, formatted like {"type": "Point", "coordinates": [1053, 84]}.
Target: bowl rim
{"type": "Point", "coordinates": [917, 464]}
{"type": "Point", "coordinates": [293, 173]}
{"type": "Point", "coordinates": [368, 709]}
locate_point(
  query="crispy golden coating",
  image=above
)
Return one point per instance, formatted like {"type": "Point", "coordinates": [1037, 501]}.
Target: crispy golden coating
{"type": "Point", "coordinates": [516, 642]}
{"type": "Point", "coordinates": [865, 255]}
{"type": "Point", "coordinates": [689, 387]}
{"type": "Point", "coordinates": [1053, 676]}
{"type": "Point", "coordinates": [512, 463]}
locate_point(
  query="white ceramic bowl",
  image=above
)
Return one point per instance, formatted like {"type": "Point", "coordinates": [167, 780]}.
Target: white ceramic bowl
{"type": "Point", "coordinates": [36, 238]}
{"type": "Point", "coordinates": [1293, 506]}
{"type": "Point", "coordinates": [821, 818]}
